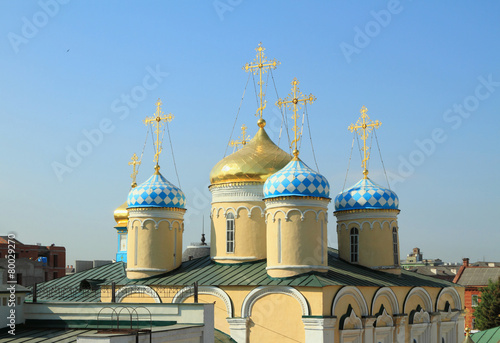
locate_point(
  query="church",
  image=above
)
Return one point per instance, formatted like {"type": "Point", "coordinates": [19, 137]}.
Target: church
{"type": "Point", "coordinates": [270, 272]}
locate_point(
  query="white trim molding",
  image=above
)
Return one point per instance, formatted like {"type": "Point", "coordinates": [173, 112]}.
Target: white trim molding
{"type": "Point", "coordinates": [294, 202]}
{"type": "Point", "coordinates": [236, 258]}
{"type": "Point", "coordinates": [156, 223]}
{"type": "Point", "coordinates": [345, 225]}
{"type": "Point", "coordinates": [156, 270]}
{"type": "Point", "coordinates": [422, 294]}
{"type": "Point", "coordinates": [125, 291]}
{"type": "Point", "coordinates": [237, 193]}
{"type": "Point", "coordinates": [305, 266]}
{"type": "Point", "coordinates": [188, 291]}
{"type": "Point", "coordinates": [356, 294]}
{"type": "Point", "coordinates": [389, 294]}
{"type": "Point", "coordinates": [302, 214]}
{"type": "Point", "coordinates": [259, 292]}
{"type": "Point", "coordinates": [319, 330]}
{"type": "Point", "coordinates": [454, 295]}
{"type": "Point", "coordinates": [236, 211]}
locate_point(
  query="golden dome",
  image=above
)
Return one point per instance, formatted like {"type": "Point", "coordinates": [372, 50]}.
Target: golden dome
{"type": "Point", "coordinates": [255, 162]}
{"type": "Point", "coordinates": [121, 215]}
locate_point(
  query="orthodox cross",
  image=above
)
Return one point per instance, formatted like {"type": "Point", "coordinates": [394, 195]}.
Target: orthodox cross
{"type": "Point", "coordinates": [158, 120]}
{"type": "Point", "coordinates": [293, 102]}
{"type": "Point", "coordinates": [261, 65]}
{"type": "Point", "coordinates": [243, 139]}
{"type": "Point", "coordinates": [134, 162]}
{"type": "Point", "coordinates": [363, 127]}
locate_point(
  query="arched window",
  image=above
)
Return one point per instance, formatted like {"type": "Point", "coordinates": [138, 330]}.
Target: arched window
{"type": "Point", "coordinates": [279, 240]}
{"type": "Point", "coordinates": [354, 244]}
{"type": "Point", "coordinates": [395, 246]}
{"type": "Point", "coordinates": [230, 233]}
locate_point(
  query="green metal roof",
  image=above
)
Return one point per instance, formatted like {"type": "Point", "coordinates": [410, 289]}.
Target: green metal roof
{"type": "Point", "coordinates": [487, 336]}
{"type": "Point", "coordinates": [24, 334]}
{"type": "Point", "coordinates": [208, 272]}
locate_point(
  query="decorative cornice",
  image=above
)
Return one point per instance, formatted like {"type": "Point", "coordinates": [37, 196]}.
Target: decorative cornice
{"type": "Point", "coordinates": [366, 210]}
{"type": "Point", "coordinates": [296, 197]}
{"type": "Point", "coordinates": [147, 209]}
{"type": "Point", "coordinates": [236, 258]}
{"type": "Point", "coordinates": [238, 193]}
{"type": "Point", "coordinates": [302, 214]}
{"type": "Point", "coordinates": [297, 201]}
{"type": "Point", "coordinates": [236, 211]}
{"type": "Point", "coordinates": [235, 183]}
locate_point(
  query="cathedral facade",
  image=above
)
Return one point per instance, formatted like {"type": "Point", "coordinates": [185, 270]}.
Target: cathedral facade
{"type": "Point", "coordinates": [270, 272]}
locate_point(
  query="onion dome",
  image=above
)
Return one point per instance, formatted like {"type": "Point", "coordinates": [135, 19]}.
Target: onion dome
{"type": "Point", "coordinates": [296, 179]}
{"type": "Point", "coordinates": [156, 192]}
{"type": "Point", "coordinates": [366, 194]}
{"type": "Point", "coordinates": [121, 215]}
{"type": "Point", "coordinates": [254, 162]}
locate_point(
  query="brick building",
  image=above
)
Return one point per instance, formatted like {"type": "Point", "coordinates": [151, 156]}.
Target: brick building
{"type": "Point", "coordinates": [34, 263]}
{"type": "Point", "coordinates": [474, 277]}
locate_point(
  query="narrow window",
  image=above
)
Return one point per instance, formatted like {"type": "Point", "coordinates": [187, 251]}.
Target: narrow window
{"type": "Point", "coordinates": [279, 240]}
{"type": "Point", "coordinates": [136, 229]}
{"type": "Point", "coordinates": [230, 233]}
{"type": "Point", "coordinates": [322, 244]}
{"type": "Point", "coordinates": [354, 244]}
{"type": "Point", "coordinates": [475, 301]}
{"type": "Point", "coordinates": [395, 245]}
{"type": "Point", "coordinates": [175, 246]}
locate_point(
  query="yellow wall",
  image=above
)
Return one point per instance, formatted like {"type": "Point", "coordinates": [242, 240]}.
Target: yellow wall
{"type": "Point", "coordinates": [375, 247]}
{"type": "Point", "coordinates": [155, 246]}
{"type": "Point", "coordinates": [301, 240]}
{"type": "Point", "coordinates": [250, 233]}
{"type": "Point", "coordinates": [276, 318]}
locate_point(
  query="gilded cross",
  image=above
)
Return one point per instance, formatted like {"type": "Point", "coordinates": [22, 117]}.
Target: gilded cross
{"type": "Point", "coordinates": [134, 162]}
{"type": "Point", "coordinates": [363, 127]}
{"type": "Point", "coordinates": [158, 120]}
{"type": "Point", "coordinates": [243, 139]}
{"type": "Point", "coordinates": [261, 65]}
{"type": "Point", "coordinates": [293, 102]}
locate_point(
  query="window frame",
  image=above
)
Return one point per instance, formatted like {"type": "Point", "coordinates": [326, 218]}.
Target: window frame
{"type": "Point", "coordinates": [230, 233]}
{"type": "Point", "coordinates": [354, 245]}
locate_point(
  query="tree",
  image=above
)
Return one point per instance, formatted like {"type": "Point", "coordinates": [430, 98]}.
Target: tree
{"type": "Point", "coordinates": [488, 310]}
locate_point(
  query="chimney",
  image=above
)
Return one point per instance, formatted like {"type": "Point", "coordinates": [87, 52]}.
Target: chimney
{"type": "Point", "coordinates": [466, 262]}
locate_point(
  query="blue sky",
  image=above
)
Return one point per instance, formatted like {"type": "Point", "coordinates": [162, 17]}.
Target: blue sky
{"type": "Point", "coordinates": [428, 71]}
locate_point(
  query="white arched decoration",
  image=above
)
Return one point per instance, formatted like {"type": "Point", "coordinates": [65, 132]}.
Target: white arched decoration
{"type": "Point", "coordinates": [389, 294]}
{"type": "Point", "coordinates": [302, 214]}
{"type": "Point", "coordinates": [188, 291]}
{"type": "Point", "coordinates": [156, 223]}
{"type": "Point", "coordinates": [423, 294]}
{"type": "Point", "coordinates": [136, 289]}
{"type": "Point", "coordinates": [356, 294]}
{"type": "Point", "coordinates": [236, 211]}
{"type": "Point", "coordinates": [259, 292]}
{"type": "Point", "coordinates": [454, 295]}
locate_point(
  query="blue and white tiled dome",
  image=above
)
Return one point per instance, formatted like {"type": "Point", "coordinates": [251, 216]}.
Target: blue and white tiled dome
{"type": "Point", "coordinates": [156, 192]}
{"type": "Point", "coordinates": [296, 179]}
{"type": "Point", "coordinates": [366, 194]}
